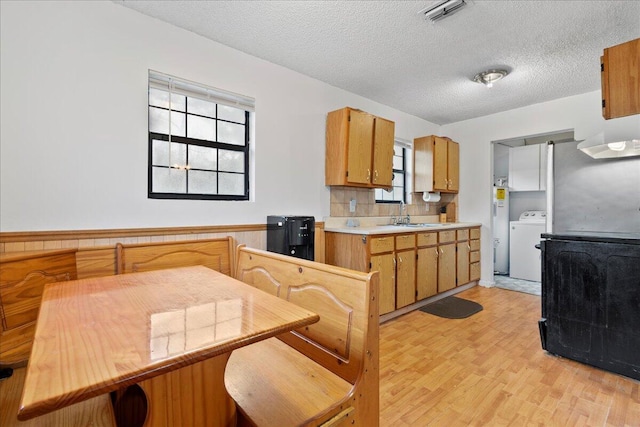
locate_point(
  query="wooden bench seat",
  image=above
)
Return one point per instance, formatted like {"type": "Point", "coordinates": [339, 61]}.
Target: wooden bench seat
{"type": "Point", "coordinates": [325, 374]}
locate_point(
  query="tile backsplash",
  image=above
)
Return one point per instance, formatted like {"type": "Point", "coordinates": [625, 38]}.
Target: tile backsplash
{"type": "Point", "coordinates": [367, 206]}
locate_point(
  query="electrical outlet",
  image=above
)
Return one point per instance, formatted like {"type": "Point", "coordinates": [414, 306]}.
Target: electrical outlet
{"type": "Point", "coordinates": [352, 205]}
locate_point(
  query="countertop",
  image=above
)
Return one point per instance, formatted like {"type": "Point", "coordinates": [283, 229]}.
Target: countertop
{"type": "Point", "coordinates": [397, 229]}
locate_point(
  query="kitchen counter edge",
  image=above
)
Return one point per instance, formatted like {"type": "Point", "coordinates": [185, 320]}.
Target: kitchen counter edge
{"type": "Point", "coordinates": [397, 229]}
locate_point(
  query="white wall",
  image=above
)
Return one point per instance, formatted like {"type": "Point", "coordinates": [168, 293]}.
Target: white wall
{"type": "Point", "coordinates": [73, 85]}
{"type": "Point", "coordinates": [580, 112]}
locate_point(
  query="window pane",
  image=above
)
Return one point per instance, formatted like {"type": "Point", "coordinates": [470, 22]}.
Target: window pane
{"type": "Point", "coordinates": [231, 161]}
{"type": "Point", "coordinates": [160, 154]}
{"type": "Point", "coordinates": [160, 98]}
{"type": "Point", "coordinates": [167, 180]}
{"type": "Point", "coordinates": [397, 194]}
{"type": "Point", "coordinates": [231, 183]}
{"type": "Point", "coordinates": [231, 133]}
{"type": "Point", "coordinates": [231, 114]}
{"type": "Point", "coordinates": [159, 121]}
{"type": "Point", "coordinates": [202, 157]}
{"type": "Point", "coordinates": [201, 128]}
{"type": "Point", "coordinates": [398, 179]}
{"type": "Point", "coordinates": [202, 182]}
{"type": "Point", "coordinates": [178, 154]}
{"type": "Point", "coordinates": [397, 163]}
{"type": "Point", "coordinates": [203, 108]}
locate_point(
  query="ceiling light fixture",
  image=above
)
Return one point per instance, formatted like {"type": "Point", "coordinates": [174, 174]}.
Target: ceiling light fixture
{"type": "Point", "coordinates": [442, 9]}
{"type": "Point", "coordinates": [488, 77]}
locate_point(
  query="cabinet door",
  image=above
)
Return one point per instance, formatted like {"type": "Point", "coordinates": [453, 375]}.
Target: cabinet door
{"type": "Point", "coordinates": [453, 166]}
{"type": "Point", "coordinates": [423, 164]}
{"type": "Point", "coordinates": [524, 168]}
{"type": "Point", "coordinates": [462, 264]}
{"type": "Point", "coordinates": [385, 265]}
{"type": "Point", "coordinates": [620, 85]}
{"type": "Point", "coordinates": [383, 152]}
{"type": "Point", "coordinates": [447, 267]}
{"type": "Point", "coordinates": [427, 272]}
{"type": "Point", "coordinates": [405, 278]}
{"type": "Point", "coordinates": [360, 147]}
{"type": "Point", "coordinates": [440, 155]}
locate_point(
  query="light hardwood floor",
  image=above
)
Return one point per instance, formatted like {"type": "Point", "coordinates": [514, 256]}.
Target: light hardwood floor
{"type": "Point", "coordinates": [490, 370]}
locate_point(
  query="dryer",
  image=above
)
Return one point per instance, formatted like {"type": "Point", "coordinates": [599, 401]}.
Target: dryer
{"type": "Point", "coordinates": [524, 235]}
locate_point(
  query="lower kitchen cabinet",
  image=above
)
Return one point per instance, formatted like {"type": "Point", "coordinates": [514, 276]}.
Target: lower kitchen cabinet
{"type": "Point", "coordinates": [385, 264]}
{"type": "Point", "coordinates": [405, 269]}
{"type": "Point", "coordinates": [412, 266]}
{"type": "Point", "coordinates": [590, 299]}
{"type": "Point", "coordinates": [462, 257]}
{"type": "Point", "coordinates": [474, 254]}
{"type": "Point", "coordinates": [427, 265]}
{"type": "Point", "coordinates": [446, 260]}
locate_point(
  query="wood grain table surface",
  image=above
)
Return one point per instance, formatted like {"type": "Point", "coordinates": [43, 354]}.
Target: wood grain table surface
{"type": "Point", "coordinates": [100, 335]}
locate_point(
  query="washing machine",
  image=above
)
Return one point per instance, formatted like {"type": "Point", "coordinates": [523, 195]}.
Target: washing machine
{"type": "Point", "coordinates": [524, 235]}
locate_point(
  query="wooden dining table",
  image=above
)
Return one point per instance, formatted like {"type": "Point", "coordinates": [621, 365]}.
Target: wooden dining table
{"type": "Point", "coordinates": [157, 341]}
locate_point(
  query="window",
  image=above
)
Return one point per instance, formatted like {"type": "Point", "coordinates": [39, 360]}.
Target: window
{"type": "Point", "coordinates": [198, 141]}
{"type": "Point", "coordinates": [398, 190]}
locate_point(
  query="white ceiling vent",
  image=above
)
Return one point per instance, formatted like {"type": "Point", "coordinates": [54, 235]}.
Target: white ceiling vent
{"type": "Point", "coordinates": [442, 9]}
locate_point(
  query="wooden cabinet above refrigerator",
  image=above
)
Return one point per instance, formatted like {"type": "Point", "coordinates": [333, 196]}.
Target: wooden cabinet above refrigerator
{"type": "Point", "coordinates": [620, 66]}
{"type": "Point", "coordinates": [359, 149]}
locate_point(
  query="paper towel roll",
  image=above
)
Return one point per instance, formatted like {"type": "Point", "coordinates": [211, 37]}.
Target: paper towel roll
{"type": "Point", "coordinates": [431, 197]}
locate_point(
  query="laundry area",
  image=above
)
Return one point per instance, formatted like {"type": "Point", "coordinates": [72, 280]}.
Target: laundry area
{"type": "Point", "coordinates": [520, 210]}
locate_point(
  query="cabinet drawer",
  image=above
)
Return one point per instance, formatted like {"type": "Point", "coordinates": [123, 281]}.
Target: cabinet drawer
{"type": "Point", "coordinates": [475, 245]}
{"type": "Point", "coordinates": [475, 233]}
{"type": "Point", "coordinates": [381, 244]}
{"type": "Point", "coordinates": [474, 256]}
{"type": "Point", "coordinates": [474, 271]}
{"type": "Point", "coordinates": [406, 241]}
{"type": "Point", "coordinates": [427, 239]}
{"type": "Point", "coordinates": [462, 234]}
{"type": "Point", "coordinates": [446, 236]}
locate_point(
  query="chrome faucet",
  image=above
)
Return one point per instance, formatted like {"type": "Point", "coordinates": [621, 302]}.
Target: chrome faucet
{"type": "Point", "coordinates": [401, 218]}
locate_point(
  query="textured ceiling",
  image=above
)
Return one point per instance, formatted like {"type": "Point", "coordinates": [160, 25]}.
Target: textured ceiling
{"type": "Point", "coordinates": [385, 51]}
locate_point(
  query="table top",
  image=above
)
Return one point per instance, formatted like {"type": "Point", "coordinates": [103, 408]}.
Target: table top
{"type": "Point", "coordinates": [100, 334]}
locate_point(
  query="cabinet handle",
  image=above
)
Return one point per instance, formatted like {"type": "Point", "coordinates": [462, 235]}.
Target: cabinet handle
{"type": "Point", "coordinates": [437, 254]}
{"type": "Point", "coordinates": [400, 259]}
{"type": "Point", "coordinates": [468, 246]}
{"type": "Point", "coordinates": [368, 174]}
{"type": "Point", "coordinates": [395, 263]}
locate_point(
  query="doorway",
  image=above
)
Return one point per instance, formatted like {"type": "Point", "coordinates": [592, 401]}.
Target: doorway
{"type": "Point", "coordinates": [519, 209]}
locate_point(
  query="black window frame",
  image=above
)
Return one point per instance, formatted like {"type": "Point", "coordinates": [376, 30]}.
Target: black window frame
{"type": "Point", "coordinates": [187, 141]}
{"type": "Point", "coordinates": [402, 172]}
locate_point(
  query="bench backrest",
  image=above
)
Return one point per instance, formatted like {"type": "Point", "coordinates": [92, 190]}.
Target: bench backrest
{"type": "Point", "coordinates": [216, 254]}
{"type": "Point", "coordinates": [345, 339]}
{"type": "Point", "coordinates": [23, 277]}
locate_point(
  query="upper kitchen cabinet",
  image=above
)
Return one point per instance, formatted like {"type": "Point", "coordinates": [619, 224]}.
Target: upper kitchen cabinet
{"type": "Point", "coordinates": [620, 66]}
{"type": "Point", "coordinates": [436, 164]}
{"type": "Point", "coordinates": [359, 150]}
{"type": "Point", "coordinates": [528, 168]}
